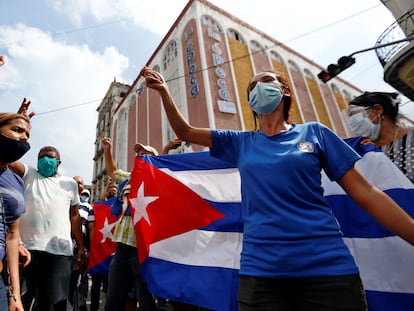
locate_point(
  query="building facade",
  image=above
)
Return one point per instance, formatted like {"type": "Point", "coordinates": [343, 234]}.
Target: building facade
{"type": "Point", "coordinates": [398, 58]}
{"type": "Point", "coordinates": [207, 58]}
{"type": "Point", "coordinates": [106, 108]}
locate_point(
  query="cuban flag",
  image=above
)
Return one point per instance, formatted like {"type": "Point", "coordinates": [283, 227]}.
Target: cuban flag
{"type": "Point", "coordinates": [102, 246]}
{"type": "Point", "coordinates": [196, 261]}
{"type": "Point", "coordinates": [385, 261]}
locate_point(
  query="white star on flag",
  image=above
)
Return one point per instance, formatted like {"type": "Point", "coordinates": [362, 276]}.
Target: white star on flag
{"type": "Point", "coordinates": [107, 230]}
{"type": "Point", "coordinates": [140, 204]}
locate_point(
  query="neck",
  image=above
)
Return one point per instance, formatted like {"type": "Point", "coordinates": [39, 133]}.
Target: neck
{"type": "Point", "coordinates": [389, 132]}
{"type": "Point", "coordinates": [270, 127]}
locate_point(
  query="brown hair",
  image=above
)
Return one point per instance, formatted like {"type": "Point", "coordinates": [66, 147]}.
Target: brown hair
{"type": "Point", "coordinates": [7, 117]}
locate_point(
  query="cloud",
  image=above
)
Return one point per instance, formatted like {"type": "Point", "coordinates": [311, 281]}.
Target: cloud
{"type": "Point", "coordinates": [55, 75]}
{"type": "Point", "coordinates": [145, 13]}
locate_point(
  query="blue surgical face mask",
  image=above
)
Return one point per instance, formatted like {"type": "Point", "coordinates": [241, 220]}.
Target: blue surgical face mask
{"type": "Point", "coordinates": [265, 97]}
{"type": "Point", "coordinates": [47, 166]}
{"type": "Point", "coordinates": [363, 126]}
{"type": "Point", "coordinates": [84, 198]}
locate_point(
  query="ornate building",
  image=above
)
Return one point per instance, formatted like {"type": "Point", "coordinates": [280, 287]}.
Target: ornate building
{"type": "Point", "coordinates": [207, 57]}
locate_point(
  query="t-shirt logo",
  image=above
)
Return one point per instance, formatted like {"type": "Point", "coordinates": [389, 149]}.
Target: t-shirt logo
{"type": "Point", "coordinates": [305, 146]}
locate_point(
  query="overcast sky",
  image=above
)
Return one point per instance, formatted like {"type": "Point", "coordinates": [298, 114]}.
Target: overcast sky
{"type": "Point", "coordinates": [63, 55]}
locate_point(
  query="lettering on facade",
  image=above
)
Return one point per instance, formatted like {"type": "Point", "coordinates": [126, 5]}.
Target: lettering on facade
{"type": "Point", "coordinates": [192, 68]}
{"type": "Point", "coordinates": [224, 105]}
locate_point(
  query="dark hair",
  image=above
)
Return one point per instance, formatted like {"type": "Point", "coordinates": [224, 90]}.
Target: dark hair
{"type": "Point", "coordinates": [287, 99]}
{"type": "Point", "coordinates": [388, 101]}
{"type": "Point", "coordinates": [50, 148]}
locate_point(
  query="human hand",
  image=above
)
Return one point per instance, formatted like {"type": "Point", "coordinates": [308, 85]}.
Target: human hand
{"type": "Point", "coordinates": [172, 144]}
{"type": "Point", "coordinates": [80, 259]}
{"type": "Point", "coordinates": [24, 107]}
{"type": "Point", "coordinates": [15, 303]}
{"type": "Point", "coordinates": [366, 141]}
{"type": "Point", "coordinates": [2, 60]}
{"type": "Point", "coordinates": [25, 257]}
{"type": "Point", "coordinates": [106, 143]}
{"type": "Point", "coordinates": [153, 79]}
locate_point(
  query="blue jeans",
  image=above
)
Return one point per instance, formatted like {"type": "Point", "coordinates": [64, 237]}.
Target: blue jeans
{"type": "Point", "coordinates": [4, 302]}
{"type": "Point", "coordinates": [338, 293]}
{"type": "Point", "coordinates": [124, 273]}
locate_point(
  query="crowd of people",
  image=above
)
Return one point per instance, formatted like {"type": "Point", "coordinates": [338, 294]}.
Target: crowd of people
{"type": "Point", "coordinates": [293, 255]}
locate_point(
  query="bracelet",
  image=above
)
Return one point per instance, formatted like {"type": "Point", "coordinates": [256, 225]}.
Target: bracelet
{"type": "Point", "coordinates": [9, 291]}
{"type": "Point", "coordinates": [13, 296]}
{"type": "Point", "coordinates": [21, 243]}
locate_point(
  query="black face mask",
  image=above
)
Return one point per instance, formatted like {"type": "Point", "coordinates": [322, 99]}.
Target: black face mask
{"type": "Point", "coordinates": [11, 150]}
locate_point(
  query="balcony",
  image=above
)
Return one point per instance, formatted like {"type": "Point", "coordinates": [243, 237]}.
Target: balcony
{"type": "Point", "coordinates": [398, 59]}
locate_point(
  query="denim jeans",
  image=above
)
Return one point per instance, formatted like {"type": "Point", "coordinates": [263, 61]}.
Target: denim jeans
{"type": "Point", "coordinates": [310, 294]}
{"type": "Point", "coordinates": [124, 274]}
{"type": "Point", "coordinates": [4, 302]}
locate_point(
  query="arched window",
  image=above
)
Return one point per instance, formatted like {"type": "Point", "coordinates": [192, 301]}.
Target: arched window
{"type": "Point", "coordinates": [210, 22]}
{"type": "Point", "coordinates": [235, 35]}
{"type": "Point", "coordinates": [275, 56]}
{"type": "Point", "coordinates": [335, 88]}
{"type": "Point", "coordinates": [256, 47]}
{"type": "Point", "coordinates": [156, 68]}
{"type": "Point", "coordinates": [170, 54]}
{"type": "Point", "coordinates": [346, 94]}
{"type": "Point", "coordinates": [308, 74]}
{"type": "Point", "coordinates": [293, 66]}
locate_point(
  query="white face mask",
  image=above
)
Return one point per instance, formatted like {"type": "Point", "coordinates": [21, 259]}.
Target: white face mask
{"type": "Point", "coordinates": [363, 126]}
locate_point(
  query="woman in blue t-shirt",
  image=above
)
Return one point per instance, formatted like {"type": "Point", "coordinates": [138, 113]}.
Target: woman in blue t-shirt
{"type": "Point", "coordinates": [293, 255]}
{"type": "Point", "coordinates": [14, 133]}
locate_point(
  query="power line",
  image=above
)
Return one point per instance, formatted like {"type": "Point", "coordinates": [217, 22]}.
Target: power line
{"type": "Point", "coordinates": [209, 67]}
{"type": "Point", "coordinates": [70, 107]}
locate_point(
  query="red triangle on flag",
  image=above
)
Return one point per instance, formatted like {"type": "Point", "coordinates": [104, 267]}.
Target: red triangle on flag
{"type": "Point", "coordinates": [102, 245]}
{"type": "Point", "coordinates": [163, 207]}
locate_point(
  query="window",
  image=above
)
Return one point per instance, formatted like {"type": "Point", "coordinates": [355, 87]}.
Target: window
{"type": "Point", "coordinates": [235, 35]}
{"type": "Point", "coordinates": [335, 88]}
{"type": "Point", "coordinates": [308, 74]}
{"type": "Point", "coordinates": [275, 56]}
{"type": "Point", "coordinates": [170, 54]}
{"type": "Point", "coordinates": [256, 47]}
{"type": "Point", "coordinates": [210, 22]}
{"type": "Point", "coordinates": [293, 66]}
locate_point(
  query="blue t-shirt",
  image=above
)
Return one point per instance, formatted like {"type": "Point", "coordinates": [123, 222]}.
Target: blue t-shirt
{"type": "Point", "coordinates": [289, 229]}
{"type": "Point", "coordinates": [12, 190]}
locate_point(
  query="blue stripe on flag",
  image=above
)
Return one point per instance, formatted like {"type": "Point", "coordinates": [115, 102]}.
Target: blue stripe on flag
{"type": "Point", "coordinates": [209, 287]}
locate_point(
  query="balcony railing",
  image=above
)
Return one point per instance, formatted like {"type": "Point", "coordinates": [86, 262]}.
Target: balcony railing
{"type": "Point", "coordinates": [401, 29]}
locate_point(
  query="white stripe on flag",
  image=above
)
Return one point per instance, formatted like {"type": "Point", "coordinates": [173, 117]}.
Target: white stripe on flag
{"type": "Point", "coordinates": [201, 248]}
{"type": "Point", "coordinates": [386, 264]}
{"type": "Point", "coordinates": [218, 185]}
{"type": "Point", "coordinates": [377, 168]}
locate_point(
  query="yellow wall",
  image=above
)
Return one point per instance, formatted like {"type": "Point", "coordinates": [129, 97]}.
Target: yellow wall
{"type": "Point", "coordinates": [318, 102]}
{"type": "Point", "coordinates": [243, 72]}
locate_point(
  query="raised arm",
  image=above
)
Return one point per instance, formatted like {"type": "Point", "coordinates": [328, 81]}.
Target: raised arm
{"type": "Point", "coordinates": [183, 130]}
{"type": "Point", "coordinates": [110, 164]}
{"type": "Point", "coordinates": [378, 204]}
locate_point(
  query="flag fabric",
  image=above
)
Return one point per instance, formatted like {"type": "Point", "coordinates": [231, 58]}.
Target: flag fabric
{"type": "Point", "coordinates": [102, 246]}
{"type": "Point", "coordinates": [199, 265]}
{"type": "Point", "coordinates": [385, 261]}
{"type": "Point", "coordinates": [157, 199]}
